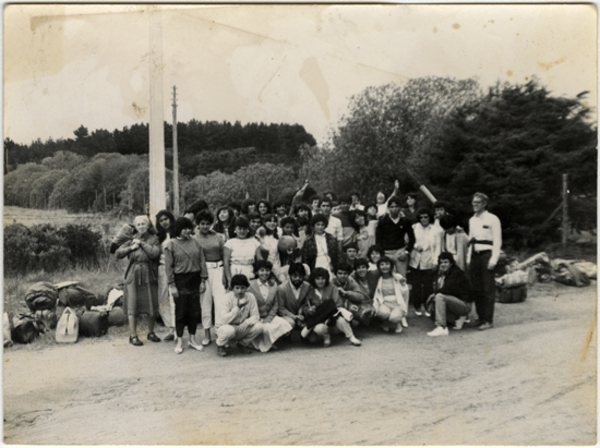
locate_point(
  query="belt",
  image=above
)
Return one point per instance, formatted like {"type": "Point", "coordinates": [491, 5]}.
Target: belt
{"type": "Point", "coordinates": [243, 262]}
{"type": "Point", "coordinates": [480, 252]}
{"type": "Point", "coordinates": [214, 264]}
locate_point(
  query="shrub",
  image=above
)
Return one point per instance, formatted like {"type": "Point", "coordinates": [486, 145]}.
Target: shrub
{"type": "Point", "coordinates": [44, 247]}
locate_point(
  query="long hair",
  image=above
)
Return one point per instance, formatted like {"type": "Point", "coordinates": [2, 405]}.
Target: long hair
{"type": "Point", "coordinates": [162, 232]}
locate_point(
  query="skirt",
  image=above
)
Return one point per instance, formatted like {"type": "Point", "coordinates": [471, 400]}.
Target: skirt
{"type": "Point", "coordinates": [271, 332]}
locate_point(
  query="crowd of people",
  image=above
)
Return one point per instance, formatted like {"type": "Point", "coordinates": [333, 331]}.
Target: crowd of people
{"type": "Point", "coordinates": [257, 272]}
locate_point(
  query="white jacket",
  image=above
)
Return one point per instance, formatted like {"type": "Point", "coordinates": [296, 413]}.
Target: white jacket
{"type": "Point", "coordinates": [400, 288]}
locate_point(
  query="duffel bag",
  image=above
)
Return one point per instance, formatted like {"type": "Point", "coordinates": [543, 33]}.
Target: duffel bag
{"type": "Point", "coordinates": [116, 317]}
{"type": "Point", "coordinates": [74, 296]}
{"type": "Point", "coordinates": [93, 324]}
{"type": "Point", "coordinates": [41, 296]}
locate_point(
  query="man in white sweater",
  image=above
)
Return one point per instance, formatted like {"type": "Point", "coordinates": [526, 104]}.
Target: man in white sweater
{"type": "Point", "coordinates": [485, 238]}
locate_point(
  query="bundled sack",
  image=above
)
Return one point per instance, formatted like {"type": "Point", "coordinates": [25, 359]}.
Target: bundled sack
{"type": "Point", "coordinates": [6, 331]}
{"type": "Point", "coordinates": [75, 296]}
{"type": "Point", "coordinates": [513, 279]}
{"type": "Point", "coordinates": [41, 296]}
{"type": "Point", "coordinates": [67, 329]}
{"type": "Point", "coordinates": [93, 324]}
{"type": "Point", "coordinates": [567, 273]}
{"type": "Point", "coordinates": [48, 318]}
{"type": "Point", "coordinates": [114, 298]}
{"type": "Point", "coordinates": [25, 328]}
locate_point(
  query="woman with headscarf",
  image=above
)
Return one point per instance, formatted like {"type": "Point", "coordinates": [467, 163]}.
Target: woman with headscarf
{"type": "Point", "coordinates": [165, 222]}
{"type": "Point", "coordinates": [186, 274]}
{"type": "Point", "coordinates": [141, 278]}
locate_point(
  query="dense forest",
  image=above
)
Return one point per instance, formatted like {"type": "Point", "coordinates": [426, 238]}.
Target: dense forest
{"type": "Point", "coordinates": [512, 142]}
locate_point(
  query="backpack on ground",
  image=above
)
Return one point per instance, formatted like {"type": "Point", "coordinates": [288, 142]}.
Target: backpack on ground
{"type": "Point", "coordinates": [67, 328]}
{"type": "Point", "coordinates": [25, 328]}
{"type": "Point", "coordinates": [93, 324]}
{"type": "Point", "coordinates": [41, 296]}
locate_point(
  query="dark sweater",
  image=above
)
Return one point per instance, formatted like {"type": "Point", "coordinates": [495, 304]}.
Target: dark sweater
{"type": "Point", "coordinates": [391, 236]}
{"type": "Point", "coordinates": [456, 284]}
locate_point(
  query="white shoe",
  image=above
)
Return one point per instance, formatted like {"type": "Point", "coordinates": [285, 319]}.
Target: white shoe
{"type": "Point", "coordinates": [195, 346]}
{"type": "Point", "coordinates": [354, 341]}
{"type": "Point", "coordinates": [327, 341]}
{"type": "Point", "coordinates": [398, 329]}
{"type": "Point", "coordinates": [438, 331]}
{"type": "Point", "coordinates": [418, 312]}
{"type": "Point", "coordinates": [305, 332]}
{"type": "Point", "coordinates": [178, 350]}
{"type": "Point", "coordinates": [427, 313]}
{"type": "Point", "coordinates": [404, 322]}
{"type": "Point", "coordinates": [460, 322]}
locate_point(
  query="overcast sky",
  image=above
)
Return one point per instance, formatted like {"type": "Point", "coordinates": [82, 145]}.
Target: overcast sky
{"type": "Point", "coordinates": [65, 66]}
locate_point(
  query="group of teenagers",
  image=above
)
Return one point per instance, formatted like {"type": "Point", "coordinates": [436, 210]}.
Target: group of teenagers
{"type": "Point", "coordinates": [326, 266]}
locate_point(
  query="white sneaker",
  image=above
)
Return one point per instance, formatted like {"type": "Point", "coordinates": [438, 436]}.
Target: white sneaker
{"type": "Point", "coordinates": [305, 332]}
{"type": "Point", "coordinates": [460, 322]}
{"type": "Point", "coordinates": [404, 322]}
{"type": "Point", "coordinates": [427, 313]}
{"type": "Point", "coordinates": [326, 340]}
{"type": "Point", "coordinates": [398, 329]}
{"type": "Point", "coordinates": [418, 312]}
{"type": "Point", "coordinates": [354, 341]}
{"type": "Point", "coordinates": [438, 331]}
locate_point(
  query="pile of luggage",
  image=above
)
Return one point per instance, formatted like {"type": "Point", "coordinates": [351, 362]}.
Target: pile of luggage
{"type": "Point", "coordinates": [68, 309]}
{"type": "Point", "coordinates": [511, 285]}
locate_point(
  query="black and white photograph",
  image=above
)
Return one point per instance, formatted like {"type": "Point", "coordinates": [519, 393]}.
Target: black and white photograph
{"type": "Point", "coordinates": [300, 224]}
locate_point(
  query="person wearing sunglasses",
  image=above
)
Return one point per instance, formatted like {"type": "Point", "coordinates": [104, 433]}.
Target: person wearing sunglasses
{"type": "Point", "coordinates": [423, 260]}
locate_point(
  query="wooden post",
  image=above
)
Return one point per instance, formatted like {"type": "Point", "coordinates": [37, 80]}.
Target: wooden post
{"type": "Point", "coordinates": [156, 125]}
{"type": "Point", "coordinates": [175, 157]}
{"type": "Point", "coordinates": [565, 217]}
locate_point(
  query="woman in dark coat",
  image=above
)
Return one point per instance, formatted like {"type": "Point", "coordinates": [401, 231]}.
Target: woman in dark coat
{"type": "Point", "coordinates": [320, 248]}
{"type": "Point", "coordinates": [141, 278]}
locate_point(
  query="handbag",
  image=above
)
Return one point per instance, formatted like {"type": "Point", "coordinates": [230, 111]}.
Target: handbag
{"type": "Point", "coordinates": [323, 312]}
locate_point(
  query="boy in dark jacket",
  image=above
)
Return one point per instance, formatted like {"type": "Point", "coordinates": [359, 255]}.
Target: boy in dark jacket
{"type": "Point", "coordinates": [453, 295]}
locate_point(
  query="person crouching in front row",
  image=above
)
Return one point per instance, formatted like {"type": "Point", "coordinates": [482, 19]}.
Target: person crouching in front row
{"type": "Point", "coordinates": [391, 297]}
{"type": "Point", "coordinates": [452, 297]}
{"type": "Point", "coordinates": [240, 321]}
{"type": "Point", "coordinates": [324, 312]}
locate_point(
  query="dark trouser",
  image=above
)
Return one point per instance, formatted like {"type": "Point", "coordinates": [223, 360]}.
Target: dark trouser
{"type": "Point", "coordinates": [422, 285]}
{"type": "Point", "coordinates": [187, 305]}
{"type": "Point", "coordinates": [483, 285]}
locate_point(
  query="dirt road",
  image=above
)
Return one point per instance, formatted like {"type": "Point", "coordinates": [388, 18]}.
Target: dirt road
{"type": "Point", "coordinates": [530, 380]}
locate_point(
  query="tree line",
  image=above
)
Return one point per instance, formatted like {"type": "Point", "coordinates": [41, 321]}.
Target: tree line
{"type": "Point", "coordinates": [194, 139]}
{"type": "Point", "coordinates": [511, 141]}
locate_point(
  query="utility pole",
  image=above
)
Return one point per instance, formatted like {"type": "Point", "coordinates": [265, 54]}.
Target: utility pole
{"type": "Point", "coordinates": [565, 217]}
{"type": "Point", "coordinates": [175, 157]}
{"type": "Point", "coordinates": [156, 125]}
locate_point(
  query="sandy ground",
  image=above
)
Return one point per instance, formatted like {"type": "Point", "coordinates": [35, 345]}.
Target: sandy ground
{"type": "Point", "coordinates": [530, 380]}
